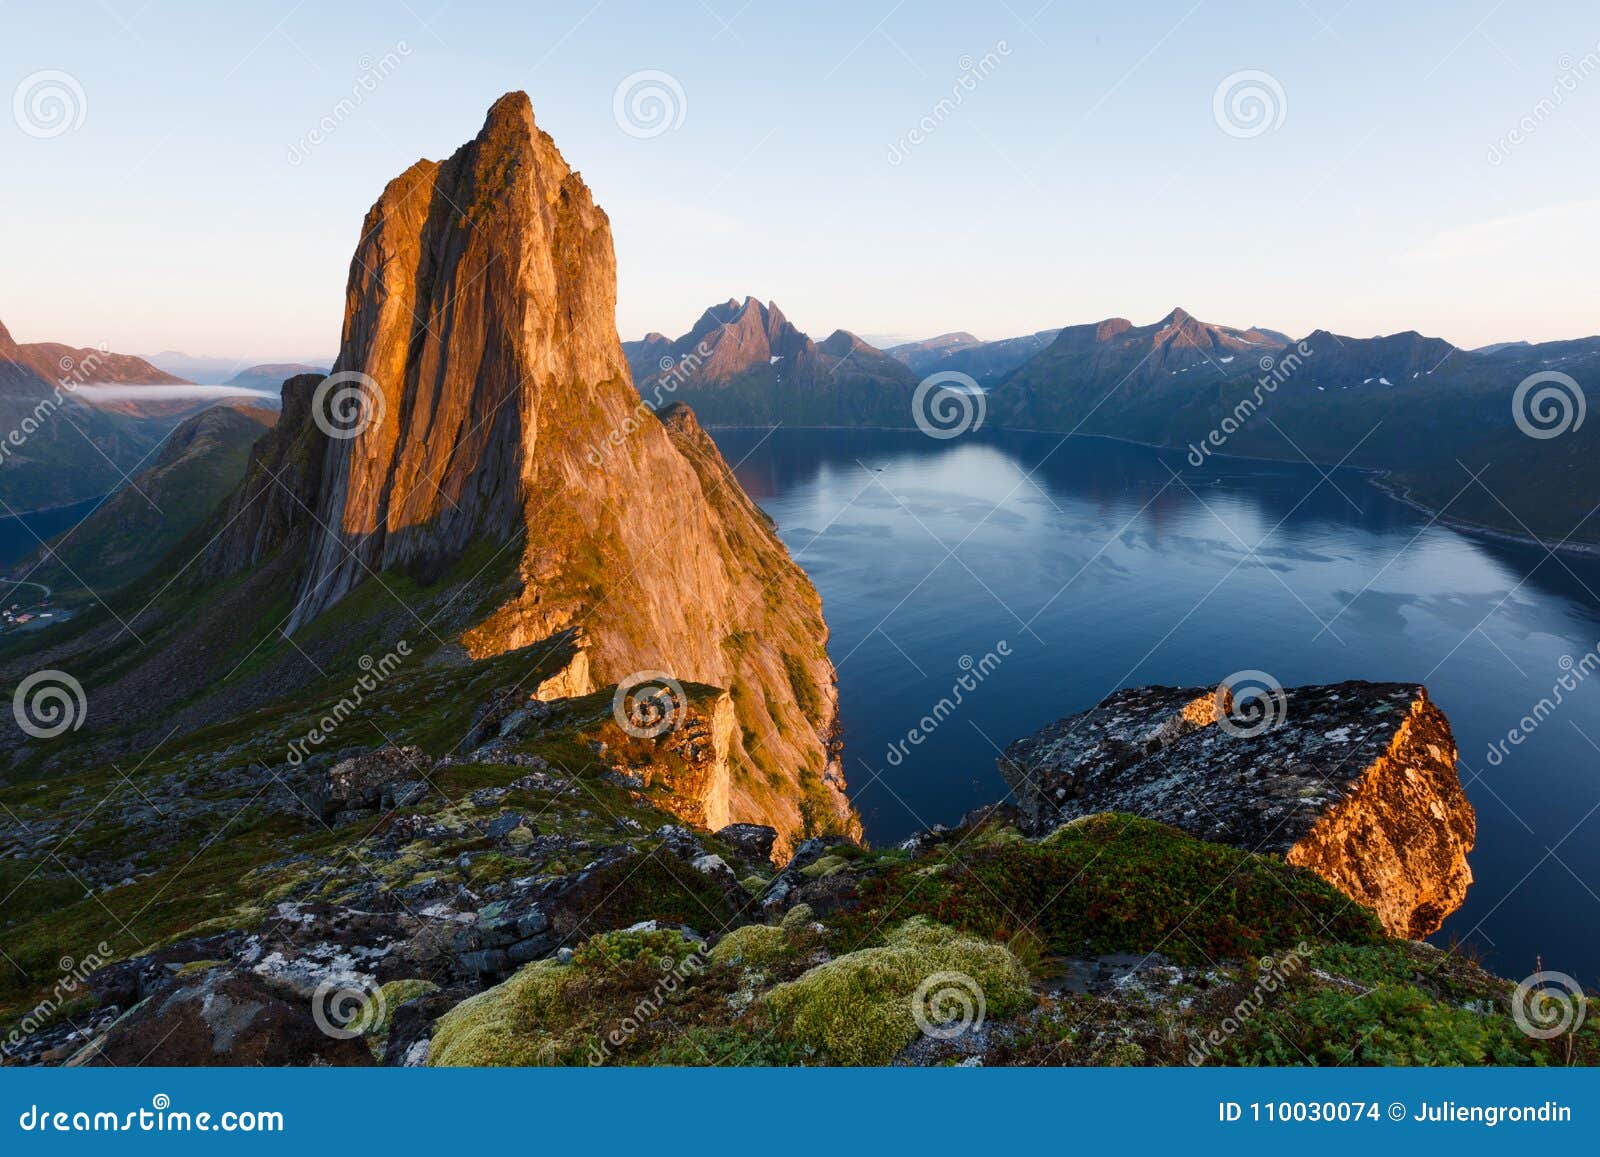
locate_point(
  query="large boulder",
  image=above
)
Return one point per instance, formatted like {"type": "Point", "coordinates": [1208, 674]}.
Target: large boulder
{"type": "Point", "coordinates": [222, 1018]}
{"type": "Point", "coordinates": [1356, 781]}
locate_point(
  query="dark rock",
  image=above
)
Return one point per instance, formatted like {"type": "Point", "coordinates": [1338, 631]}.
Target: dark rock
{"type": "Point", "coordinates": [1356, 781]}
{"type": "Point", "coordinates": [224, 1018]}
{"type": "Point", "coordinates": [751, 842]}
{"type": "Point", "coordinates": [358, 784]}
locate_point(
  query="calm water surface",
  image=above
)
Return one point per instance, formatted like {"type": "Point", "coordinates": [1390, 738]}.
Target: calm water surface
{"type": "Point", "coordinates": [1100, 570]}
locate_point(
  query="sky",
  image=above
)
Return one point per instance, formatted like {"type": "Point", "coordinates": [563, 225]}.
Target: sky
{"type": "Point", "coordinates": [193, 176]}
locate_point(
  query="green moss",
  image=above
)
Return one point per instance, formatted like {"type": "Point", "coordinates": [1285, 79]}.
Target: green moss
{"type": "Point", "coordinates": [503, 1025]}
{"type": "Point", "coordinates": [1115, 883]}
{"type": "Point", "coordinates": [824, 867]}
{"type": "Point", "coordinates": [753, 946]}
{"type": "Point", "coordinates": [1399, 1025]}
{"type": "Point", "coordinates": [858, 1008]}
{"type": "Point", "coordinates": [195, 967]}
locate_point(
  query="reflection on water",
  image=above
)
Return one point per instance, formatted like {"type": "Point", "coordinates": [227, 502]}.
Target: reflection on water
{"type": "Point", "coordinates": [1104, 565]}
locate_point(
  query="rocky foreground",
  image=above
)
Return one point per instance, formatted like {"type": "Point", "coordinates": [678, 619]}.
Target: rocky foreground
{"type": "Point", "coordinates": [524, 901]}
{"type": "Point", "coordinates": [1356, 781]}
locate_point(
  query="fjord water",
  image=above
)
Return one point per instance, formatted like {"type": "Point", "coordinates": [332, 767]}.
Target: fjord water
{"type": "Point", "coordinates": [1102, 565]}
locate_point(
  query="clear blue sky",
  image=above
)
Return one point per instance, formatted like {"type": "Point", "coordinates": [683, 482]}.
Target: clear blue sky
{"type": "Point", "coordinates": [1086, 175]}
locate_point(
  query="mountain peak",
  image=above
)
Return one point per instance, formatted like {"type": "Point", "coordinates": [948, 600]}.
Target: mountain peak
{"type": "Point", "coordinates": [1178, 316]}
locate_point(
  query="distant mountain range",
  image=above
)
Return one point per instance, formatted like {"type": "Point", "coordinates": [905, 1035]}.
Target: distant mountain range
{"type": "Point", "coordinates": [986, 362]}
{"type": "Point", "coordinates": [272, 376]}
{"type": "Point", "coordinates": [56, 448]}
{"type": "Point", "coordinates": [220, 370]}
{"type": "Point", "coordinates": [1416, 407]}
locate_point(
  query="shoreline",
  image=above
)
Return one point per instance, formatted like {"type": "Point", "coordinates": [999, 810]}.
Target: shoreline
{"type": "Point", "coordinates": [1377, 477]}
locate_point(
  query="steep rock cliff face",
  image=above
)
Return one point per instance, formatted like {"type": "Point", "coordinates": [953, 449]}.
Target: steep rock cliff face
{"type": "Point", "coordinates": [1355, 781]}
{"type": "Point", "coordinates": [498, 408]}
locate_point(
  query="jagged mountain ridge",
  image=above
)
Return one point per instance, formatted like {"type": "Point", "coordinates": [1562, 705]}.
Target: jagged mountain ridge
{"type": "Point", "coordinates": [745, 363]}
